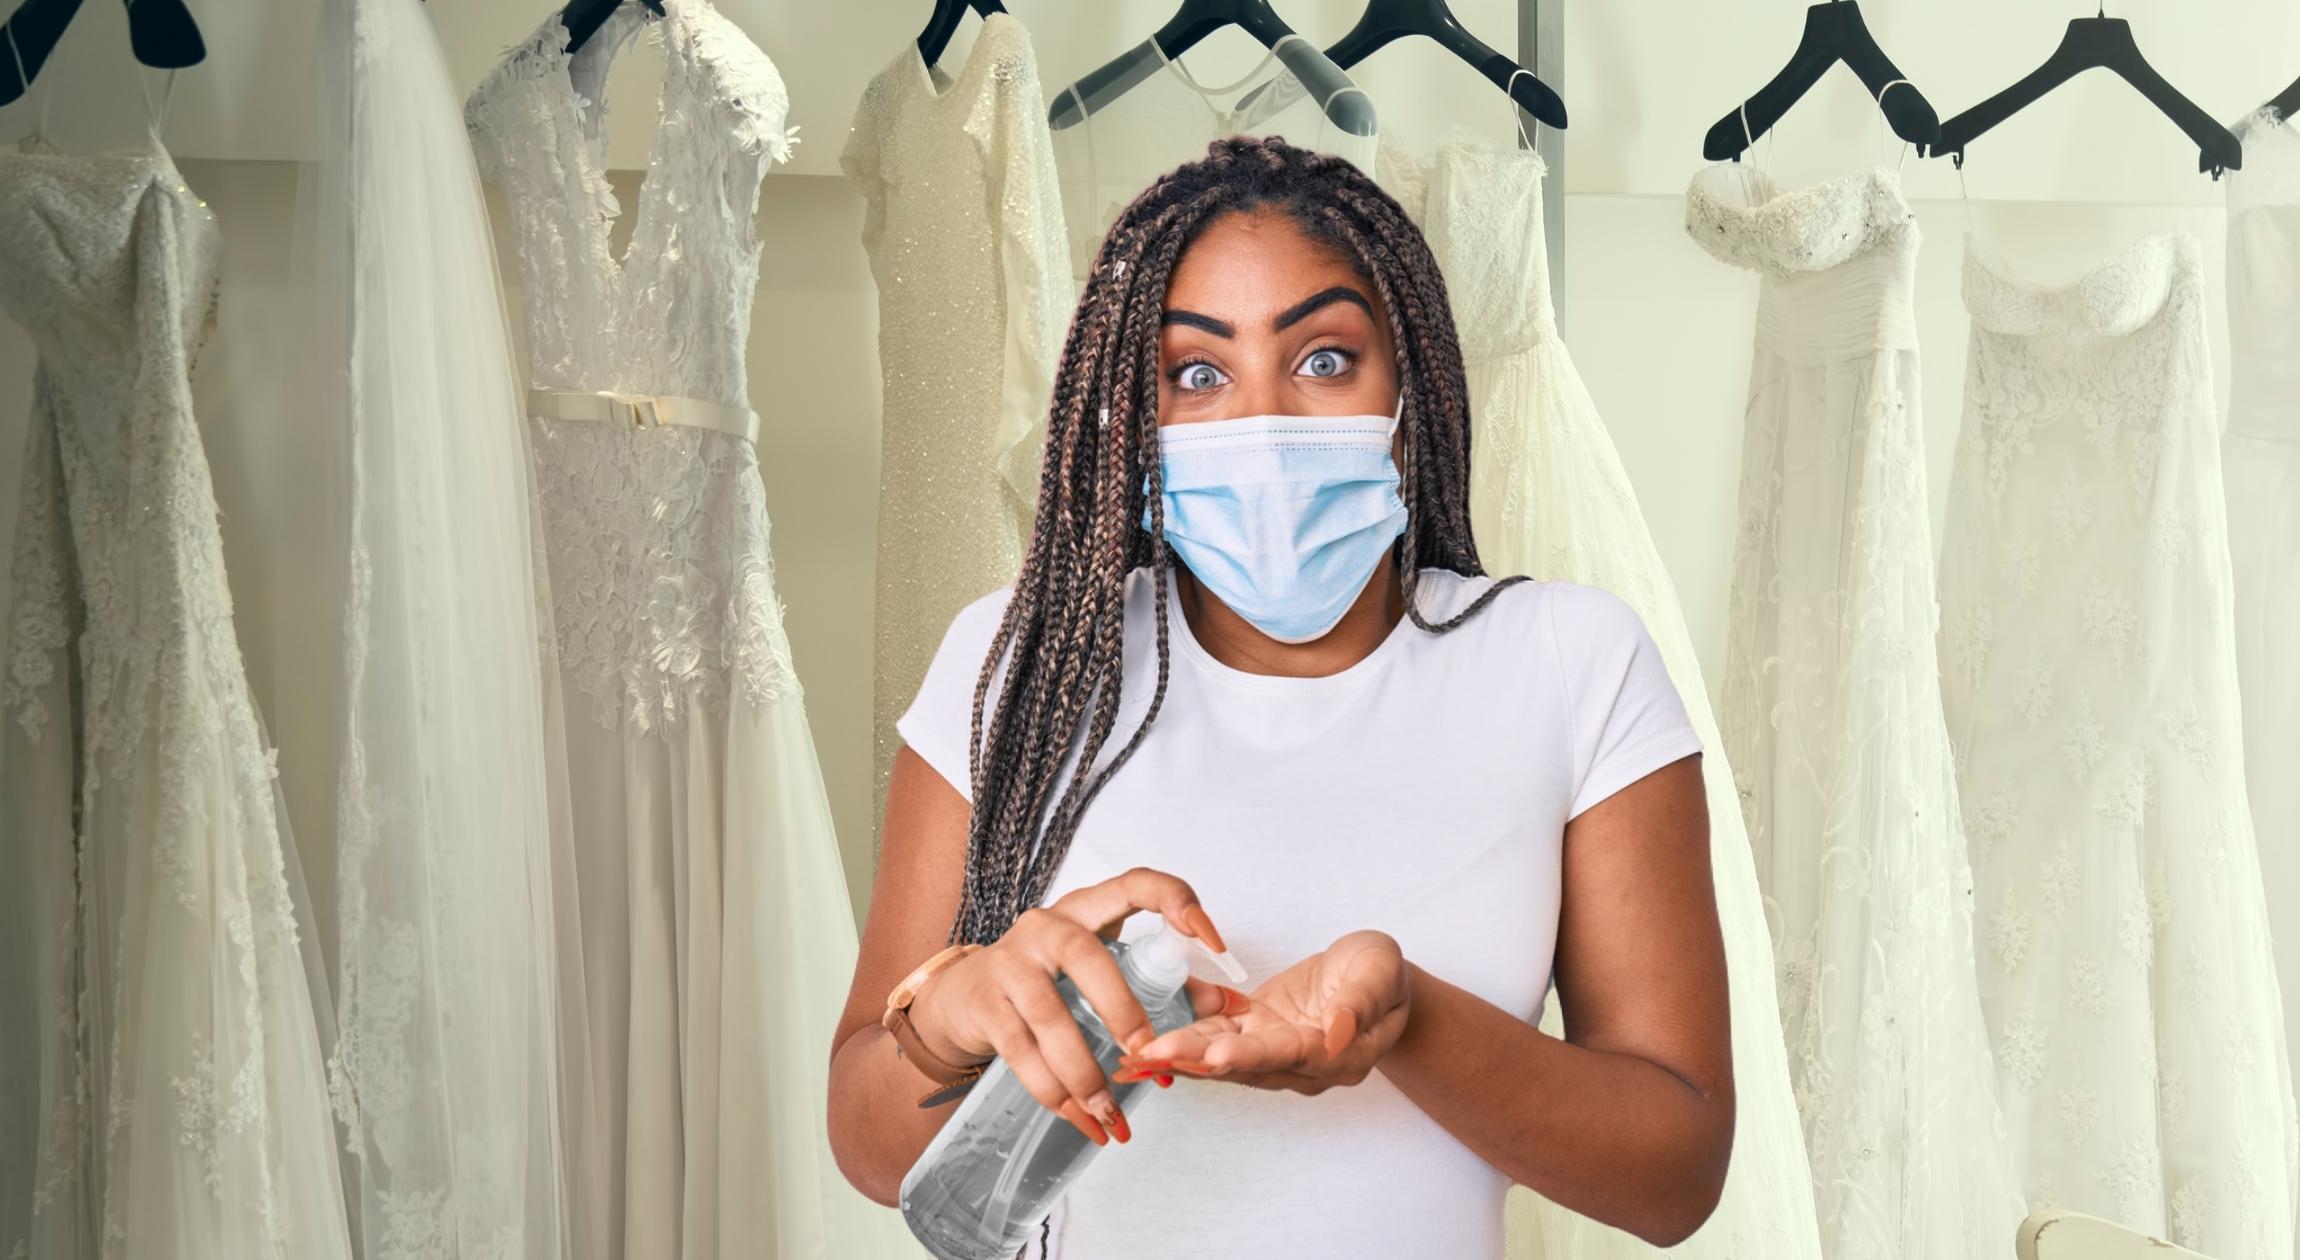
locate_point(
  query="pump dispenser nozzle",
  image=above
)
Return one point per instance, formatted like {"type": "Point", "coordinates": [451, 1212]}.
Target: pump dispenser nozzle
{"type": "Point", "coordinates": [1163, 958]}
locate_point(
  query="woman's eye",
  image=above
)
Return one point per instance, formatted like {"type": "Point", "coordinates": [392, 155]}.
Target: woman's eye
{"type": "Point", "coordinates": [1198, 376]}
{"type": "Point", "coordinates": [1326, 363]}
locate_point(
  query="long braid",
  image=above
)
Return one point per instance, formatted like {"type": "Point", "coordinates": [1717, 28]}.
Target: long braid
{"type": "Point", "coordinates": [1062, 631]}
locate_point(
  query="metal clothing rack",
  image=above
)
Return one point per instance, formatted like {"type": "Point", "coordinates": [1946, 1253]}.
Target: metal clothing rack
{"type": "Point", "coordinates": [1541, 49]}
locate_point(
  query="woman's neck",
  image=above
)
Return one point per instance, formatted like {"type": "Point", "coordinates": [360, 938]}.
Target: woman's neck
{"type": "Point", "coordinates": [1235, 642]}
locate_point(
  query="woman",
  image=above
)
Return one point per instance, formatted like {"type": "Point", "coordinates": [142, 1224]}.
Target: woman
{"type": "Point", "coordinates": [1406, 831]}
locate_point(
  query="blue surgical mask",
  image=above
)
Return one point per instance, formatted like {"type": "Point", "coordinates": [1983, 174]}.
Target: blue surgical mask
{"type": "Point", "coordinates": [1283, 518]}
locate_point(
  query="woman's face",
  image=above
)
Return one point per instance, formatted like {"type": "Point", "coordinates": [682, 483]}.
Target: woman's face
{"type": "Point", "coordinates": [1261, 319]}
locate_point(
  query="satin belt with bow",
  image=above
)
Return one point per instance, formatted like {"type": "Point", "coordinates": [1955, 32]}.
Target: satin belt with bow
{"type": "Point", "coordinates": [642, 411]}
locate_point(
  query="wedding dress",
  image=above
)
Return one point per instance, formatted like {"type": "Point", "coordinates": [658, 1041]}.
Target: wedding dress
{"type": "Point", "coordinates": [964, 229]}
{"type": "Point", "coordinates": [1549, 497]}
{"type": "Point", "coordinates": [718, 939]}
{"type": "Point", "coordinates": [163, 1089]}
{"type": "Point", "coordinates": [2090, 686]}
{"type": "Point", "coordinates": [458, 956]}
{"type": "Point", "coordinates": [1114, 154]}
{"type": "Point", "coordinates": [1832, 718]}
{"type": "Point", "coordinates": [2261, 461]}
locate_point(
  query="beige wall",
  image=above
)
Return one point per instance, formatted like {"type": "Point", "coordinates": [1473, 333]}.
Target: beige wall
{"type": "Point", "coordinates": [1661, 331]}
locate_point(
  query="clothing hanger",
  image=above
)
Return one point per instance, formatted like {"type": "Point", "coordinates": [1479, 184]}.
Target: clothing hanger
{"type": "Point", "coordinates": [1387, 20]}
{"type": "Point", "coordinates": [1834, 32]}
{"type": "Point", "coordinates": [2104, 43]}
{"type": "Point", "coordinates": [161, 32]}
{"type": "Point", "coordinates": [2287, 102]}
{"type": "Point", "coordinates": [943, 23]}
{"type": "Point", "coordinates": [1343, 102]}
{"type": "Point", "coordinates": [583, 18]}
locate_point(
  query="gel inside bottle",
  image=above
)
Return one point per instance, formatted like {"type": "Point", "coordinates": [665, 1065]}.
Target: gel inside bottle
{"type": "Point", "coordinates": [1002, 1159]}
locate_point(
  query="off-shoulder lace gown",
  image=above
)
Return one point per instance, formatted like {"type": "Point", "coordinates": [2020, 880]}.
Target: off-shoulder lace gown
{"type": "Point", "coordinates": [719, 939]}
{"type": "Point", "coordinates": [2089, 675]}
{"type": "Point", "coordinates": [163, 1094]}
{"type": "Point", "coordinates": [1549, 497]}
{"type": "Point", "coordinates": [963, 224]}
{"type": "Point", "coordinates": [2261, 459]}
{"type": "Point", "coordinates": [1832, 715]}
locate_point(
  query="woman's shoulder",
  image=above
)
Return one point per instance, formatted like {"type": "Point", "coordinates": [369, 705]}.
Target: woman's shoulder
{"type": "Point", "coordinates": [1445, 594]}
{"type": "Point", "coordinates": [1569, 621]}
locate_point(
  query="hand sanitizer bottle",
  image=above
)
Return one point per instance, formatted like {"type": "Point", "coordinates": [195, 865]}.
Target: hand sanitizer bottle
{"type": "Point", "coordinates": [1003, 1159]}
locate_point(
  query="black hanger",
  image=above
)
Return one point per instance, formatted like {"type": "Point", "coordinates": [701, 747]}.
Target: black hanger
{"type": "Point", "coordinates": [943, 23]}
{"type": "Point", "coordinates": [1348, 107]}
{"type": "Point", "coordinates": [583, 18]}
{"type": "Point", "coordinates": [1387, 20]}
{"type": "Point", "coordinates": [161, 33]}
{"type": "Point", "coordinates": [2287, 103]}
{"type": "Point", "coordinates": [1834, 32]}
{"type": "Point", "coordinates": [2103, 43]}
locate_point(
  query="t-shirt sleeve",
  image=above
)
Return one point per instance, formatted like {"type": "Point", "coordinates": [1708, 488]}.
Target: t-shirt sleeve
{"type": "Point", "coordinates": [1626, 718]}
{"type": "Point", "coordinates": [940, 720]}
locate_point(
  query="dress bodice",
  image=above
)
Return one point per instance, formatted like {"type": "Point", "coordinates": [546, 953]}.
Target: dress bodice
{"type": "Point", "coordinates": [1480, 206]}
{"type": "Point", "coordinates": [671, 315]}
{"type": "Point", "coordinates": [111, 267]}
{"type": "Point", "coordinates": [1839, 257]}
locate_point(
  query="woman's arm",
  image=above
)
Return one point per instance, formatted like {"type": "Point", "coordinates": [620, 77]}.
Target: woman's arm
{"type": "Point", "coordinates": [1001, 1000]}
{"type": "Point", "coordinates": [1630, 1119]}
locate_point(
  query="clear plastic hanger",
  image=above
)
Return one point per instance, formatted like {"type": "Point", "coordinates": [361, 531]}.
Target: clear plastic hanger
{"type": "Point", "coordinates": [39, 134]}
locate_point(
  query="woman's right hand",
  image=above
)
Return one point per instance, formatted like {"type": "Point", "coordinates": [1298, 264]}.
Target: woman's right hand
{"type": "Point", "coordinates": [1001, 1002]}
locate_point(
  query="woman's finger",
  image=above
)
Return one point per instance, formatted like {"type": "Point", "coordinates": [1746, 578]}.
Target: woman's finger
{"type": "Point", "coordinates": [1062, 1048]}
{"type": "Point", "coordinates": [1073, 951]}
{"type": "Point", "coordinates": [1097, 907]}
{"type": "Point", "coordinates": [1018, 1047]}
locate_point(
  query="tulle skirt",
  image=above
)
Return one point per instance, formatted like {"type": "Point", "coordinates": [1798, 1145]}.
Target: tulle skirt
{"type": "Point", "coordinates": [1549, 497]}
{"type": "Point", "coordinates": [719, 944]}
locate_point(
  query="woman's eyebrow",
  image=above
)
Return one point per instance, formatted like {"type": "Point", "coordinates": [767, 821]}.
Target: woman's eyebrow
{"type": "Point", "coordinates": [1287, 318]}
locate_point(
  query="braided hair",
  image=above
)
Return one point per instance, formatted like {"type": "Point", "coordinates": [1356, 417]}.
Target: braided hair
{"type": "Point", "coordinates": [1064, 622]}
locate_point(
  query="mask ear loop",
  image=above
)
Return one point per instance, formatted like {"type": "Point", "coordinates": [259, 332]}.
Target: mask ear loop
{"type": "Point", "coordinates": [1881, 120]}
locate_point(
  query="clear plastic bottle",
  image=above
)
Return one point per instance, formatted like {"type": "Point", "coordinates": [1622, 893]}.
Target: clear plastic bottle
{"type": "Point", "coordinates": [1002, 1159]}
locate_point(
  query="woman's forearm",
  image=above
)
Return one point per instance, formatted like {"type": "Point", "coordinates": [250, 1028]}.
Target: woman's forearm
{"type": "Point", "coordinates": [878, 1130]}
{"type": "Point", "coordinates": [1611, 1136]}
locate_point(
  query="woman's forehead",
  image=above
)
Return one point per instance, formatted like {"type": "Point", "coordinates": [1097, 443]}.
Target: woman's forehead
{"type": "Point", "coordinates": [1258, 262]}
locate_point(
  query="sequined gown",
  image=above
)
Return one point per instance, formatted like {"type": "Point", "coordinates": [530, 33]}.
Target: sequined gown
{"type": "Point", "coordinates": [163, 1094]}
{"type": "Point", "coordinates": [2089, 676]}
{"type": "Point", "coordinates": [963, 224]}
{"type": "Point", "coordinates": [1832, 716]}
{"type": "Point", "coordinates": [2260, 457]}
{"type": "Point", "coordinates": [718, 936]}
{"type": "Point", "coordinates": [1549, 497]}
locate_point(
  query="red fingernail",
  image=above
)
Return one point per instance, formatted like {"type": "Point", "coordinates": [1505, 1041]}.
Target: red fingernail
{"type": "Point", "coordinates": [1085, 1123]}
{"type": "Point", "coordinates": [1202, 927]}
{"type": "Point", "coordinates": [1165, 1082]}
{"type": "Point", "coordinates": [1131, 1063]}
{"type": "Point", "coordinates": [1234, 1002]}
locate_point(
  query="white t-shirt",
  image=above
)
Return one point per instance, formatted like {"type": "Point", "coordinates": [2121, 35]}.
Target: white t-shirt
{"type": "Point", "coordinates": [1424, 792]}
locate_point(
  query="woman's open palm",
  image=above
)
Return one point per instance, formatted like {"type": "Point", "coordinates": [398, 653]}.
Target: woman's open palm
{"type": "Point", "coordinates": [1325, 1021]}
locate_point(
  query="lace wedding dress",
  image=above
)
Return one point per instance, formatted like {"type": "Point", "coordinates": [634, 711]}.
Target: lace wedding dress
{"type": "Point", "coordinates": [718, 937]}
{"type": "Point", "coordinates": [1114, 154]}
{"type": "Point", "coordinates": [2090, 687]}
{"type": "Point", "coordinates": [459, 948]}
{"type": "Point", "coordinates": [964, 229]}
{"type": "Point", "coordinates": [1832, 718]}
{"type": "Point", "coordinates": [1549, 497]}
{"type": "Point", "coordinates": [163, 1094]}
{"type": "Point", "coordinates": [2261, 460]}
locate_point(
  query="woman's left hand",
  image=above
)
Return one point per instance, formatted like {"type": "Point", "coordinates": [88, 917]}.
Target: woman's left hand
{"type": "Point", "coordinates": [1325, 1021]}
